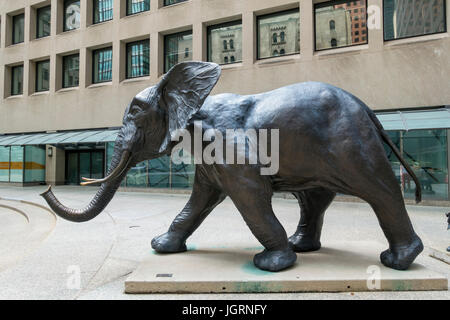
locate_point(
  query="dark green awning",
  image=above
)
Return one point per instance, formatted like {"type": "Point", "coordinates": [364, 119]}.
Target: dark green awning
{"type": "Point", "coordinates": [68, 137]}
{"type": "Point", "coordinates": [416, 120]}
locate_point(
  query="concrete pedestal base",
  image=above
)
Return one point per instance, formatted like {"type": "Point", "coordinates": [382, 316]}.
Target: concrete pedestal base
{"type": "Point", "coordinates": [337, 267]}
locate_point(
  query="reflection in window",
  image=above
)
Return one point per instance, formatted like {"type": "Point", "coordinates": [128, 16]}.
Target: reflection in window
{"type": "Point", "coordinates": [16, 80]}
{"type": "Point", "coordinates": [71, 66]}
{"type": "Point", "coordinates": [332, 25]}
{"type": "Point", "coordinates": [102, 61]}
{"type": "Point", "coordinates": [4, 163]}
{"type": "Point", "coordinates": [333, 20]}
{"type": "Point", "coordinates": [412, 18]}
{"type": "Point", "coordinates": [71, 14]}
{"type": "Point", "coordinates": [225, 40]}
{"type": "Point", "coordinates": [103, 10]}
{"type": "Point", "coordinates": [136, 6]}
{"type": "Point", "coordinates": [169, 2]}
{"type": "Point", "coordinates": [18, 28]}
{"type": "Point", "coordinates": [138, 59]}
{"type": "Point", "coordinates": [177, 48]}
{"type": "Point", "coordinates": [426, 152]}
{"type": "Point", "coordinates": [43, 22]}
{"type": "Point", "coordinates": [333, 42]}
{"type": "Point", "coordinates": [279, 31]}
{"type": "Point", "coordinates": [42, 75]}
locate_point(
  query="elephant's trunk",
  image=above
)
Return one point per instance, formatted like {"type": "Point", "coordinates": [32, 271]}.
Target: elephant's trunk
{"type": "Point", "coordinates": [101, 199]}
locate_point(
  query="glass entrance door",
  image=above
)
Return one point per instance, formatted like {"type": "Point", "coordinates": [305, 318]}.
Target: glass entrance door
{"type": "Point", "coordinates": [88, 164]}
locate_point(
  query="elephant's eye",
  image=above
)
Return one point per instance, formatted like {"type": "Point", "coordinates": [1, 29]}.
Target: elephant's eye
{"type": "Point", "coordinates": [135, 110]}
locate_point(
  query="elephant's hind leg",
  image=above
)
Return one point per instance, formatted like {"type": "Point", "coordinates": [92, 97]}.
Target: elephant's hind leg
{"type": "Point", "coordinates": [313, 204]}
{"type": "Point", "coordinates": [383, 193]}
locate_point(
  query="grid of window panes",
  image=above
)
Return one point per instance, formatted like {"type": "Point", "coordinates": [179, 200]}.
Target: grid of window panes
{"type": "Point", "coordinates": [170, 2]}
{"type": "Point", "coordinates": [42, 75]}
{"type": "Point", "coordinates": [71, 14]}
{"type": "Point", "coordinates": [404, 19]}
{"type": "Point", "coordinates": [43, 16]}
{"type": "Point", "coordinates": [177, 48]}
{"type": "Point", "coordinates": [16, 80]}
{"type": "Point", "coordinates": [426, 153]}
{"type": "Point", "coordinates": [18, 28]}
{"type": "Point", "coordinates": [225, 43]}
{"type": "Point", "coordinates": [103, 10]}
{"type": "Point", "coordinates": [278, 34]}
{"type": "Point", "coordinates": [136, 6]}
{"type": "Point", "coordinates": [102, 65]}
{"type": "Point", "coordinates": [22, 164]}
{"type": "Point", "coordinates": [71, 68]}
{"type": "Point", "coordinates": [138, 59]}
{"type": "Point", "coordinates": [156, 173]}
{"type": "Point", "coordinates": [340, 24]}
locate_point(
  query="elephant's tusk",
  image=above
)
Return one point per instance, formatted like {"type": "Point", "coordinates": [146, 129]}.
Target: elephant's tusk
{"type": "Point", "coordinates": [117, 171]}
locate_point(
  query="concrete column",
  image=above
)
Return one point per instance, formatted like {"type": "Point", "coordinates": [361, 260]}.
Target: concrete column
{"type": "Point", "coordinates": [306, 29]}
{"type": "Point", "coordinates": [156, 56]}
{"type": "Point", "coordinates": [118, 71]}
{"type": "Point", "coordinates": [248, 38]}
{"type": "Point", "coordinates": [55, 166]}
{"type": "Point", "coordinates": [85, 68]}
{"type": "Point", "coordinates": [26, 78]}
{"type": "Point", "coordinates": [53, 76]}
{"type": "Point", "coordinates": [54, 18]}
{"type": "Point", "coordinates": [27, 28]}
{"type": "Point", "coordinates": [198, 41]}
{"type": "Point", "coordinates": [86, 13]}
{"type": "Point", "coordinates": [448, 161]}
{"type": "Point", "coordinates": [375, 25]}
{"type": "Point", "coordinates": [3, 20]}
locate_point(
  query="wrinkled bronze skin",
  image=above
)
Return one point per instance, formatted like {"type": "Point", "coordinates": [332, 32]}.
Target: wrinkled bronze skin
{"type": "Point", "coordinates": [330, 142]}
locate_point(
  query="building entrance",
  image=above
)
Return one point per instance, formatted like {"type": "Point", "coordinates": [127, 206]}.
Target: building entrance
{"type": "Point", "coordinates": [88, 164]}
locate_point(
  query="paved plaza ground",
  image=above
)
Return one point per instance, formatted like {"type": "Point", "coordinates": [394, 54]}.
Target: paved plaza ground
{"type": "Point", "coordinates": [38, 259]}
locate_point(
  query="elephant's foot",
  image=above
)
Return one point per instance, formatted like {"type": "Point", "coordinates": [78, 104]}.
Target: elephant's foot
{"type": "Point", "coordinates": [301, 243]}
{"type": "Point", "coordinates": [400, 258]}
{"type": "Point", "coordinates": [276, 260]}
{"type": "Point", "coordinates": [169, 242]}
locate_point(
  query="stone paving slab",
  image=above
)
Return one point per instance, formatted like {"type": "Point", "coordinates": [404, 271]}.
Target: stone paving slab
{"type": "Point", "coordinates": [337, 267]}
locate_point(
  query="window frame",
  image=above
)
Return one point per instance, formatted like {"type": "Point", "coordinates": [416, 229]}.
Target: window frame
{"type": "Point", "coordinates": [38, 10]}
{"type": "Point", "coordinates": [63, 64]}
{"type": "Point", "coordinates": [95, 7]}
{"type": "Point", "coordinates": [127, 46]}
{"type": "Point", "coordinates": [14, 28]}
{"type": "Point", "coordinates": [217, 26]}
{"type": "Point", "coordinates": [172, 4]}
{"type": "Point", "coordinates": [420, 35]}
{"type": "Point", "coordinates": [12, 81]}
{"type": "Point", "coordinates": [327, 4]}
{"type": "Point", "coordinates": [273, 14]}
{"type": "Point", "coordinates": [65, 5]}
{"type": "Point", "coordinates": [94, 52]}
{"type": "Point", "coordinates": [128, 13]}
{"type": "Point", "coordinates": [36, 76]}
{"type": "Point", "coordinates": [187, 32]}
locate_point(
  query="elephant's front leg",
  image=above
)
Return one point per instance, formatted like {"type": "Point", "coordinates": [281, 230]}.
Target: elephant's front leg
{"type": "Point", "coordinates": [203, 200]}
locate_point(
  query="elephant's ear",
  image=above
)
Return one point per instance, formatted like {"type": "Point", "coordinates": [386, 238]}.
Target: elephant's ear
{"type": "Point", "coordinates": [183, 91]}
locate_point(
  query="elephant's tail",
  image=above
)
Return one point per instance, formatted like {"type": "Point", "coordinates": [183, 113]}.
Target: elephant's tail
{"type": "Point", "coordinates": [394, 148]}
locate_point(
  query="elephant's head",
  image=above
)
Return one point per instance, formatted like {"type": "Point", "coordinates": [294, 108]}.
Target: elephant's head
{"type": "Point", "coordinates": [150, 121]}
